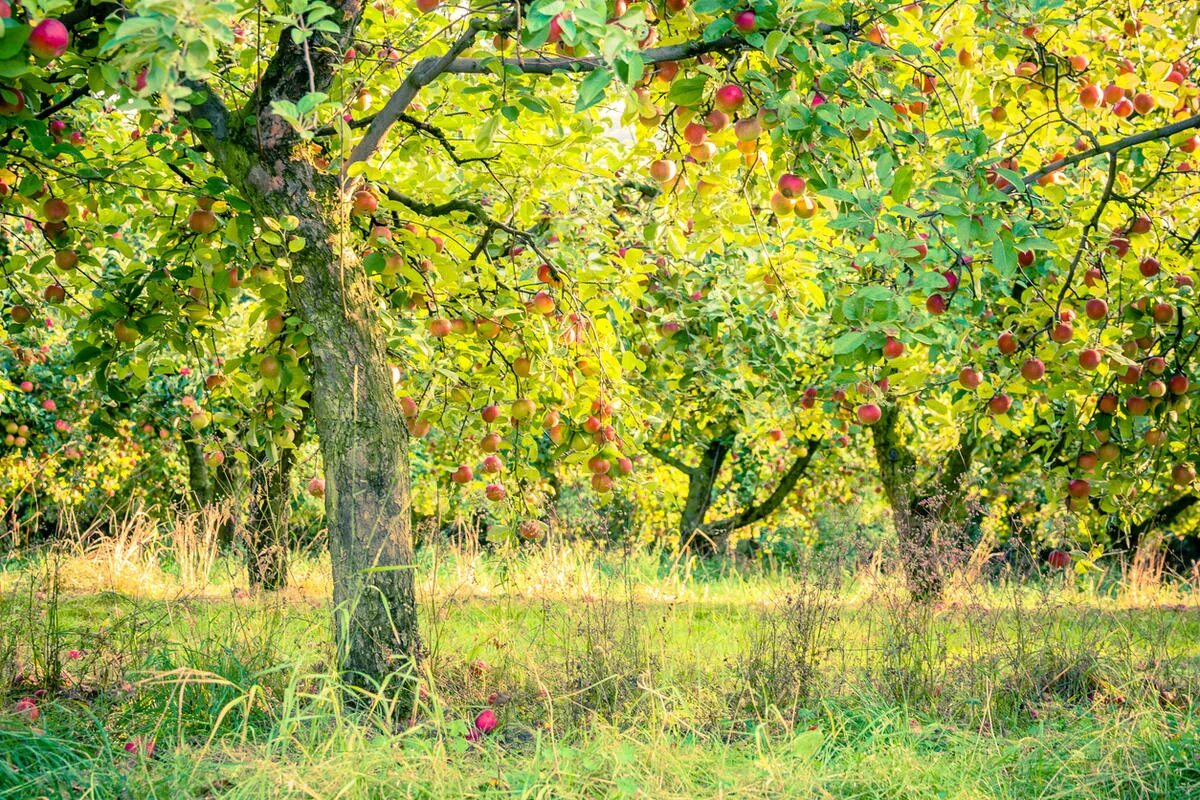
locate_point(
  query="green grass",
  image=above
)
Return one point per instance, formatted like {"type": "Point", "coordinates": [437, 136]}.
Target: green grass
{"type": "Point", "coordinates": [634, 677]}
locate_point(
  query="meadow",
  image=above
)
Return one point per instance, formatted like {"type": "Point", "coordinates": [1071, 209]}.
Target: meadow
{"type": "Point", "coordinates": [153, 674]}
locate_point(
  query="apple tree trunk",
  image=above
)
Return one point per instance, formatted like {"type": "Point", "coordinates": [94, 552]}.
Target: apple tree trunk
{"type": "Point", "coordinates": [268, 522]}
{"type": "Point", "coordinates": [919, 509]}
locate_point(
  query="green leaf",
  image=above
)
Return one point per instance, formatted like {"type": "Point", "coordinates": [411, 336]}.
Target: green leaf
{"type": "Point", "coordinates": [902, 184]}
{"type": "Point", "coordinates": [14, 39]}
{"type": "Point", "coordinates": [848, 342]}
{"type": "Point", "coordinates": [591, 90]}
{"type": "Point", "coordinates": [1003, 258]}
{"type": "Point", "coordinates": [688, 91]}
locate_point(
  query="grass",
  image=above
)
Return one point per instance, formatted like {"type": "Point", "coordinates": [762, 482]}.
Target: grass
{"type": "Point", "coordinates": [613, 676]}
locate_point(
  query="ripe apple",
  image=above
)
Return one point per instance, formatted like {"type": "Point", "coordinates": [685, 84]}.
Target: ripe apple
{"type": "Point", "coordinates": [54, 293]}
{"type": "Point", "coordinates": [1183, 475]}
{"type": "Point", "coordinates": [1096, 309]}
{"type": "Point", "coordinates": [729, 98]}
{"type": "Point", "coordinates": [1122, 108]}
{"type": "Point", "coordinates": [1033, 369]}
{"type": "Point", "coordinates": [462, 475]}
{"type": "Point", "coordinates": [1137, 406]}
{"type": "Point", "coordinates": [1149, 266]}
{"type": "Point", "coordinates": [543, 303]}
{"type": "Point", "coordinates": [1144, 103]}
{"type": "Point", "coordinates": [56, 210]}
{"type": "Point", "coordinates": [202, 222]}
{"type": "Point", "coordinates": [364, 203]}
{"type": "Point", "coordinates": [1090, 96]}
{"type": "Point", "coordinates": [1000, 404]}
{"type": "Point", "coordinates": [1163, 313]}
{"type": "Point", "coordinates": [1089, 359]}
{"type": "Point", "coordinates": [1156, 365]}
{"type": "Point", "coordinates": [1156, 388]}
{"type": "Point", "coordinates": [745, 21]}
{"type": "Point", "coordinates": [893, 348]}
{"type": "Point", "coordinates": [1087, 461]}
{"type": "Point", "coordinates": [1178, 384]}
{"type": "Point", "coordinates": [662, 170]}
{"type": "Point", "coordinates": [790, 185]}
{"type": "Point", "coordinates": [490, 443]}
{"type": "Point", "coordinates": [1059, 559]}
{"type": "Point", "coordinates": [969, 378]}
{"type": "Point", "coordinates": [1078, 487]}
{"type": "Point", "coordinates": [598, 464]}
{"type": "Point", "coordinates": [869, 413]}
{"type": "Point", "coordinates": [1062, 333]}
{"type": "Point", "coordinates": [316, 487]}
{"type": "Point", "coordinates": [49, 39]}
{"type": "Point", "coordinates": [602, 483]}
{"type": "Point", "coordinates": [26, 707]}
{"type": "Point", "coordinates": [490, 413]}
{"type": "Point", "coordinates": [935, 304]}
{"type": "Point", "coordinates": [66, 259]}
{"type": "Point", "coordinates": [1006, 343]}
{"type": "Point", "coordinates": [716, 120]}
{"type": "Point", "coordinates": [495, 492]}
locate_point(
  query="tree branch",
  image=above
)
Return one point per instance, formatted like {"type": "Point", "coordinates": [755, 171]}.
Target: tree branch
{"type": "Point", "coordinates": [298, 68]}
{"type": "Point", "coordinates": [1164, 516]}
{"type": "Point", "coordinates": [549, 66]}
{"type": "Point", "coordinates": [422, 74]}
{"type": "Point", "coordinates": [428, 69]}
{"type": "Point", "coordinates": [427, 128]}
{"type": "Point", "coordinates": [669, 460]}
{"type": "Point", "coordinates": [1133, 140]}
{"type": "Point", "coordinates": [756, 513]}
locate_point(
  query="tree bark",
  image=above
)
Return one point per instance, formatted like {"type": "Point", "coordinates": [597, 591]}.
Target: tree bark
{"type": "Point", "coordinates": [1181, 552]}
{"type": "Point", "coordinates": [267, 523]}
{"type": "Point", "coordinates": [919, 510]}
{"type": "Point", "coordinates": [363, 437]}
{"type": "Point", "coordinates": [199, 481]}
{"type": "Point", "coordinates": [699, 535]}
{"type": "Point", "coordinates": [693, 535]}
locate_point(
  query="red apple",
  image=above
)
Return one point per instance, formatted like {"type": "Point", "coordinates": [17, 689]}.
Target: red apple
{"type": "Point", "coordinates": [49, 39]}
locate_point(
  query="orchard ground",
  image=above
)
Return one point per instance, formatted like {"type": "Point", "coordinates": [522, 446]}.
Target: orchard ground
{"type": "Point", "coordinates": [637, 675]}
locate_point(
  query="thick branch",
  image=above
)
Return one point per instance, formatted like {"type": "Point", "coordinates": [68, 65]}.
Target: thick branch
{"type": "Point", "coordinates": [428, 69]}
{"type": "Point", "coordinates": [759, 512]}
{"type": "Point", "coordinates": [948, 483]}
{"type": "Point", "coordinates": [298, 68]}
{"type": "Point", "coordinates": [549, 66]}
{"type": "Point", "coordinates": [1161, 518]}
{"type": "Point", "coordinates": [209, 116]}
{"type": "Point", "coordinates": [669, 460]}
{"type": "Point", "coordinates": [1133, 140]}
{"type": "Point", "coordinates": [422, 74]}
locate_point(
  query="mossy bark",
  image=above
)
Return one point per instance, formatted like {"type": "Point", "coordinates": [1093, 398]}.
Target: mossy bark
{"type": "Point", "coordinates": [919, 509]}
{"type": "Point", "coordinates": [268, 523]}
